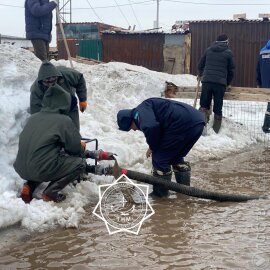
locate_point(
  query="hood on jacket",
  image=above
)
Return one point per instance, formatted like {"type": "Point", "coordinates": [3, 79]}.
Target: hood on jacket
{"type": "Point", "coordinates": [219, 46]}
{"type": "Point", "coordinates": [56, 100]}
{"type": "Point", "coordinates": [46, 70]}
{"type": "Point", "coordinates": [266, 47]}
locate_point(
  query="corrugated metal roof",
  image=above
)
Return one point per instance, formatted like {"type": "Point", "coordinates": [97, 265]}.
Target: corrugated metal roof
{"type": "Point", "coordinates": [233, 21]}
{"type": "Point", "coordinates": [95, 23]}
{"type": "Point", "coordinates": [12, 37]}
{"type": "Point", "coordinates": [140, 33]}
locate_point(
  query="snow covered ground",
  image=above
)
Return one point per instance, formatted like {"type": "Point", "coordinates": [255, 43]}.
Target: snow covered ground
{"type": "Point", "coordinates": [111, 87]}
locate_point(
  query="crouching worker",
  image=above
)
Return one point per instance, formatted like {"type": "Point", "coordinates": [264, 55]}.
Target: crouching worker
{"type": "Point", "coordinates": [171, 129]}
{"type": "Point", "coordinates": [50, 149]}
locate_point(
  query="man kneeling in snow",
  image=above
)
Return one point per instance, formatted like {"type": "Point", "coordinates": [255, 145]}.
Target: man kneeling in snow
{"type": "Point", "coordinates": [171, 129]}
{"type": "Point", "coordinates": [50, 149]}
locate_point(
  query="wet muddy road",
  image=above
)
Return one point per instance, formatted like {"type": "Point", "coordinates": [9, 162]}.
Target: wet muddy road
{"type": "Point", "coordinates": [184, 233]}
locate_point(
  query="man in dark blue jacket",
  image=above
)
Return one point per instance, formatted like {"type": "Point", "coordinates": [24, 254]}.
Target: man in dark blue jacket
{"type": "Point", "coordinates": [263, 80]}
{"type": "Point", "coordinates": [216, 70]}
{"type": "Point", "coordinates": [171, 129]}
{"type": "Point", "coordinates": [38, 25]}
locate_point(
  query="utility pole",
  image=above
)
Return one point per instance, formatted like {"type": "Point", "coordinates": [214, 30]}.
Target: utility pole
{"type": "Point", "coordinates": [157, 26]}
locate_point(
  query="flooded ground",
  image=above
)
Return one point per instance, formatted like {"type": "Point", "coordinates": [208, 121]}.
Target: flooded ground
{"type": "Point", "coordinates": [184, 233]}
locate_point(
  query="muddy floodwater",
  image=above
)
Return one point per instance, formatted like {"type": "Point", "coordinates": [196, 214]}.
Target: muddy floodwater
{"type": "Point", "coordinates": [184, 233]}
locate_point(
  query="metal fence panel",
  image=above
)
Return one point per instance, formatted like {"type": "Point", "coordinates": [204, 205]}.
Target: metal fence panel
{"type": "Point", "coordinates": [91, 49]}
{"type": "Point", "coordinates": [73, 45]}
{"type": "Point", "coordinates": [137, 49]}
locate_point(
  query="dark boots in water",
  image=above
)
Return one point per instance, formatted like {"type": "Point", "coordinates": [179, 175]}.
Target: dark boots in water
{"type": "Point", "coordinates": [182, 173]}
{"type": "Point", "coordinates": [159, 190]}
{"type": "Point", "coordinates": [217, 123]}
{"type": "Point", "coordinates": [266, 123]}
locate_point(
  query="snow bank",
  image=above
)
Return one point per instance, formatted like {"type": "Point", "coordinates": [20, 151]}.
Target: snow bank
{"type": "Point", "coordinates": [111, 87]}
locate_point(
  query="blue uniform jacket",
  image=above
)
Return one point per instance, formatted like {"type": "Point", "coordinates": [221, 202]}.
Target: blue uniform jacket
{"type": "Point", "coordinates": [165, 123]}
{"type": "Point", "coordinates": [38, 19]}
{"type": "Point", "coordinates": [263, 67]}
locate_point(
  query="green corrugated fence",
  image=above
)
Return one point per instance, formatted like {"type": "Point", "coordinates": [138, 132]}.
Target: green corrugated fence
{"type": "Point", "coordinates": [91, 49]}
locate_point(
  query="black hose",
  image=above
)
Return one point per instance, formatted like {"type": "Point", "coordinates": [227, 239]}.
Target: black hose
{"type": "Point", "coordinates": [190, 191]}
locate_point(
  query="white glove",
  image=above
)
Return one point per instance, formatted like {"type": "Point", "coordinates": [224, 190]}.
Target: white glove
{"type": "Point", "coordinates": [55, 1]}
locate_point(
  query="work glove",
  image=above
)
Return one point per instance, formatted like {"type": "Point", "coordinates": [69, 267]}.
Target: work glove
{"type": "Point", "coordinates": [228, 88]}
{"type": "Point", "coordinates": [100, 155]}
{"type": "Point", "coordinates": [55, 1]}
{"type": "Point", "coordinates": [83, 105]}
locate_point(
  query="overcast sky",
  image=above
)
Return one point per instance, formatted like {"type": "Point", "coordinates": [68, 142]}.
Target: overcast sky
{"type": "Point", "coordinates": [141, 13]}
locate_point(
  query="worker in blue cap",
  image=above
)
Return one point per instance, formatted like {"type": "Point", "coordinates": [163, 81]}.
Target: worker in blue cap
{"type": "Point", "coordinates": [171, 129]}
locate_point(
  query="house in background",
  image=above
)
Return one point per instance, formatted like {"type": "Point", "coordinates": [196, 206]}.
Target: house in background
{"type": "Point", "coordinates": [84, 39]}
{"type": "Point", "coordinates": [17, 42]}
{"type": "Point", "coordinates": [164, 52]}
{"type": "Point", "coordinates": [177, 52]}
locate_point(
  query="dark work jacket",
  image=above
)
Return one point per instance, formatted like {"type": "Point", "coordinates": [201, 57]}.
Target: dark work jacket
{"type": "Point", "coordinates": [263, 67]}
{"type": "Point", "coordinates": [217, 65]}
{"type": "Point", "coordinates": [38, 19]}
{"type": "Point", "coordinates": [40, 157]}
{"type": "Point", "coordinates": [165, 122]}
{"type": "Point", "coordinates": [69, 79]}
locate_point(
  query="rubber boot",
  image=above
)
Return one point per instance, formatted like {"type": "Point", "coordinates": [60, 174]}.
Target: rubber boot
{"type": "Point", "coordinates": [266, 123]}
{"type": "Point", "coordinates": [51, 192]}
{"type": "Point", "coordinates": [28, 190]}
{"type": "Point", "coordinates": [217, 123]}
{"type": "Point", "coordinates": [159, 190]}
{"type": "Point", "coordinates": [182, 172]}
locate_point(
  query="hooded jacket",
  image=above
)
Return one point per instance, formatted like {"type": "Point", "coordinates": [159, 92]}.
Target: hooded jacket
{"type": "Point", "coordinates": [263, 67]}
{"type": "Point", "coordinates": [38, 19]}
{"type": "Point", "coordinates": [40, 157]}
{"type": "Point", "coordinates": [69, 79]}
{"type": "Point", "coordinates": [217, 65]}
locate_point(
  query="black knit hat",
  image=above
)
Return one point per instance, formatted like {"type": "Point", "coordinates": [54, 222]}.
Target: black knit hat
{"type": "Point", "coordinates": [223, 38]}
{"type": "Point", "coordinates": [124, 119]}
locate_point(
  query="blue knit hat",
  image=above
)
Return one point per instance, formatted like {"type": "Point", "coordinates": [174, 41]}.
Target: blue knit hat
{"type": "Point", "coordinates": [124, 119]}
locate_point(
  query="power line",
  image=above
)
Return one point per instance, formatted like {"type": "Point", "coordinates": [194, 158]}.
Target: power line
{"type": "Point", "coordinates": [122, 13]}
{"type": "Point", "coordinates": [152, 2]}
{"type": "Point", "coordinates": [135, 15]}
{"type": "Point", "coordinates": [11, 6]}
{"type": "Point", "coordinates": [121, 5]}
{"type": "Point", "coordinates": [93, 9]}
{"type": "Point", "coordinates": [215, 4]}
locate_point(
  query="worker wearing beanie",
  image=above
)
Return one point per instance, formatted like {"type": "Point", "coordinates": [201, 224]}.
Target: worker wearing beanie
{"type": "Point", "coordinates": [215, 71]}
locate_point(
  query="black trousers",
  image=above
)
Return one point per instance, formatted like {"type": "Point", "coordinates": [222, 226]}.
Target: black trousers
{"type": "Point", "coordinates": [215, 91]}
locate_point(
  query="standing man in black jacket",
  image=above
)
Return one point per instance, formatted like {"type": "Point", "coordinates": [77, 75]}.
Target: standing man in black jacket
{"type": "Point", "coordinates": [215, 70]}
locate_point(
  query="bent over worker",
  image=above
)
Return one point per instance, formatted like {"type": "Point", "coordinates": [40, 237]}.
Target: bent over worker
{"type": "Point", "coordinates": [69, 79]}
{"type": "Point", "coordinates": [50, 149]}
{"type": "Point", "coordinates": [171, 129]}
